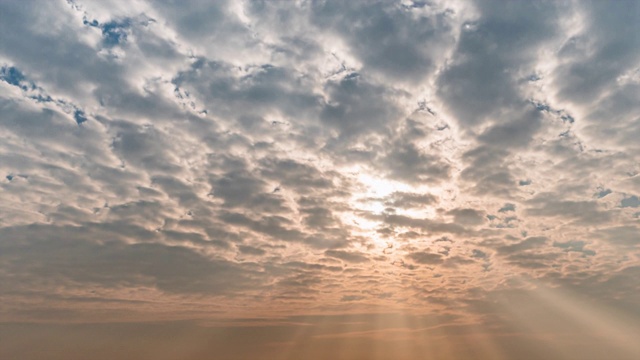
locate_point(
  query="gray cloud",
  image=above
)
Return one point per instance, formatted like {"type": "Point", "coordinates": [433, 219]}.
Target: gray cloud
{"type": "Point", "coordinates": [470, 217]}
{"type": "Point", "coordinates": [621, 235]}
{"type": "Point", "coordinates": [348, 256]}
{"type": "Point", "coordinates": [408, 200]}
{"type": "Point", "coordinates": [527, 244]}
{"type": "Point", "coordinates": [427, 258]}
{"type": "Point", "coordinates": [386, 38]}
{"type": "Point", "coordinates": [64, 254]}
{"type": "Point", "coordinates": [585, 211]}
{"type": "Point", "coordinates": [411, 164]}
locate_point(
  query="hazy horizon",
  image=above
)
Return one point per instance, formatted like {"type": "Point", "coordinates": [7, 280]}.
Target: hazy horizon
{"type": "Point", "coordinates": [348, 180]}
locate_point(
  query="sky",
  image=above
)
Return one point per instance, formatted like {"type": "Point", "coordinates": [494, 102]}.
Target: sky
{"type": "Point", "coordinates": [319, 180]}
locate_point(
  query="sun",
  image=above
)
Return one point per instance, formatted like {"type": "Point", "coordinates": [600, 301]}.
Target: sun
{"type": "Point", "coordinates": [369, 203]}
{"type": "Point", "coordinates": [379, 187]}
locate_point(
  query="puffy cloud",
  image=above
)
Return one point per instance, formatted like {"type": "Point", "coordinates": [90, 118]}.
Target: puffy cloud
{"type": "Point", "coordinates": [527, 244]}
{"type": "Point", "coordinates": [95, 255]}
{"type": "Point", "coordinates": [424, 257]}
{"type": "Point", "coordinates": [348, 256]}
{"type": "Point", "coordinates": [469, 217]}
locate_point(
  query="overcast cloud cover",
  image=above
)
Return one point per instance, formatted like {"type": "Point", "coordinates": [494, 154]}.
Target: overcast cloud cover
{"type": "Point", "coordinates": [311, 179]}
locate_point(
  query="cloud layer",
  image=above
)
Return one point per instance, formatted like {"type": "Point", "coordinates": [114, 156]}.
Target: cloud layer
{"type": "Point", "coordinates": [228, 160]}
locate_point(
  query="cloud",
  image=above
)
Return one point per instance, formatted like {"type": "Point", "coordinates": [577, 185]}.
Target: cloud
{"type": "Point", "coordinates": [507, 207]}
{"type": "Point", "coordinates": [248, 159]}
{"type": "Point", "coordinates": [425, 258]}
{"type": "Point", "coordinates": [351, 298]}
{"type": "Point", "coordinates": [469, 217]}
{"type": "Point", "coordinates": [621, 235]}
{"type": "Point", "coordinates": [250, 250]}
{"type": "Point", "coordinates": [385, 37]}
{"type": "Point", "coordinates": [574, 245]}
{"type": "Point", "coordinates": [64, 255]}
{"type": "Point", "coordinates": [585, 211]}
{"type": "Point", "coordinates": [348, 256]}
{"type": "Point", "coordinates": [411, 164]}
{"type": "Point", "coordinates": [408, 200]}
{"type": "Point", "coordinates": [527, 244]}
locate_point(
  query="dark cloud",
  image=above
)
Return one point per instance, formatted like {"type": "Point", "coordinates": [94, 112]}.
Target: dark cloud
{"type": "Point", "coordinates": [507, 207]}
{"type": "Point", "coordinates": [479, 82]}
{"type": "Point", "coordinates": [356, 106]}
{"type": "Point", "coordinates": [574, 245]}
{"type": "Point", "coordinates": [584, 211]}
{"type": "Point", "coordinates": [289, 173]}
{"type": "Point", "coordinates": [409, 163]}
{"type": "Point", "coordinates": [250, 250]}
{"type": "Point", "coordinates": [479, 254]}
{"type": "Point", "coordinates": [527, 244]}
{"type": "Point", "coordinates": [409, 200]}
{"type": "Point", "coordinates": [592, 52]}
{"type": "Point", "coordinates": [425, 258]}
{"type": "Point", "coordinates": [64, 254]}
{"type": "Point", "coordinates": [424, 224]}
{"type": "Point", "coordinates": [276, 227]}
{"type": "Point", "coordinates": [348, 256]}
{"type": "Point", "coordinates": [470, 217]}
{"type": "Point", "coordinates": [621, 235]}
{"type": "Point", "coordinates": [384, 36]}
